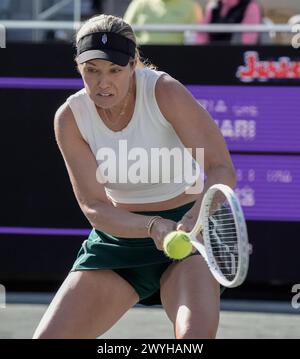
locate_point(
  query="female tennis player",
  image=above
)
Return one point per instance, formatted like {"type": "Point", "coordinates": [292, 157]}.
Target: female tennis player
{"type": "Point", "coordinates": [130, 106]}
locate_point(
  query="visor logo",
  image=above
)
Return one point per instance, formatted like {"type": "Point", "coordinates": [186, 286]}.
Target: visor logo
{"type": "Point", "coordinates": [104, 39]}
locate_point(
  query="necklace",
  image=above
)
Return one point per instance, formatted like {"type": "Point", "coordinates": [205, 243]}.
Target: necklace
{"type": "Point", "coordinates": [121, 113]}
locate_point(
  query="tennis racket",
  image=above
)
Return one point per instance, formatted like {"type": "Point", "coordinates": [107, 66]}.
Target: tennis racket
{"type": "Point", "coordinates": [225, 245]}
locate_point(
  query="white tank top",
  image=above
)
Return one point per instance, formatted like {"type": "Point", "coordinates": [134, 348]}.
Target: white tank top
{"type": "Point", "coordinates": [125, 158]}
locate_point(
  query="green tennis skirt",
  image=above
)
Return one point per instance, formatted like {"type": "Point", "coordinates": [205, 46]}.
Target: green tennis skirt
{"type": "Point", "coordinates": [137, 260]}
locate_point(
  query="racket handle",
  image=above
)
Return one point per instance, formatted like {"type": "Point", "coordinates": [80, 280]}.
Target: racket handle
{"type": "Point", "coordinates": [199, 246]}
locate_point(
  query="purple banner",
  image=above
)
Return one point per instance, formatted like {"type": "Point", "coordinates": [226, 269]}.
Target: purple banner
{"type": "Point", "coordinates": [269, 186]}
{"type": "Point", "coordinates": [40, 83]}
{"type": "Point", "coordinates": [254, 118]}
{"type": "Point", "coordinates": [250, 118]}
{"type": "Point", "coordinates": [45, 231]}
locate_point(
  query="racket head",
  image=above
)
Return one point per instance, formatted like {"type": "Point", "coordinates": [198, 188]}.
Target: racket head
{"type": "Point", "coordinates": [225, 235]}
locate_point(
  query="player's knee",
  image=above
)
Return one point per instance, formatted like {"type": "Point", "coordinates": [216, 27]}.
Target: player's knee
{"type": "Point", "coordinates": [196, 333]}
{"type": "Point", "coordinates": [42, 333]}
{"type": "Point", "coordinates": [39, 336]}
{"type": "Point", "coordinates": [196, 329]}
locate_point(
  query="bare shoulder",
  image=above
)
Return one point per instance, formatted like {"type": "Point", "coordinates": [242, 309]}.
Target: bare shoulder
{"type": "Point", "coordinates": [167, 86]}
{"type": "Point", "coordinates": [175, 101]}
{"type": "Point", "coordinates": [63, 117]}
{"type": "Point", "coordinates": [79, 159]}
{"type": "Point", "coordinates": [64, 124]}
{"type": "Point", "coordinates": [192, 123]}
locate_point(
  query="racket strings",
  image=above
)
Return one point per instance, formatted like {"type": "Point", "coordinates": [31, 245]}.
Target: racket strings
{"type": "Point", "coordinates": [223, 239]}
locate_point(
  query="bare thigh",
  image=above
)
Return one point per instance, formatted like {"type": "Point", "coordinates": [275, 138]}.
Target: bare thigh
{"type": "Point", "coordinates": [87, 304]}
{"type": "Point", "coordinates": [191, 298]}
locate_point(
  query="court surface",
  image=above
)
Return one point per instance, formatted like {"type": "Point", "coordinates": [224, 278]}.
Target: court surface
{"type": "Point", "coordinates": [239, 319]}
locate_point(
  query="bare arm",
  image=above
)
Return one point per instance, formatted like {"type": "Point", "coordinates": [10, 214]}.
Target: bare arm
{"type": "Point", "coordinates": [90, 194]}
{"type": "Point", "coordinates": [196, 129]}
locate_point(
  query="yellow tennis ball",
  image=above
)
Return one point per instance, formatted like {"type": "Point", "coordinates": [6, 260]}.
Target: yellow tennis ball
{"type": "Point", "coordinates": [177, 245]}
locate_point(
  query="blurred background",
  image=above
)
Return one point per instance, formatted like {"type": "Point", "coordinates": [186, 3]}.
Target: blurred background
{"type": "Point", "coordinates": [249, 81]}
{"type": "Point", "coordinates": [272, 12]}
